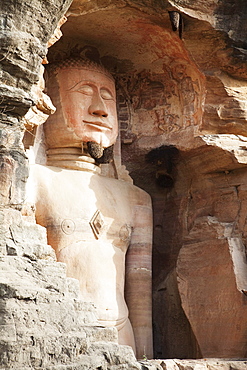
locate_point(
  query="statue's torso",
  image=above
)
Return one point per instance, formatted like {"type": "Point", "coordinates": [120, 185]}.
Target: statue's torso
{"type": "Point", "coordinates": [89, 221]}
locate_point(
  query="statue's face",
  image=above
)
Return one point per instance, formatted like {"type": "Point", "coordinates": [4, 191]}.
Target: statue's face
{"type": "Point", "coordinates": [88, 100]}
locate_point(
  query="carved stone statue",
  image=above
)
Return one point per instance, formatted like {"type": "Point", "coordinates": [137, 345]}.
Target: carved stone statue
{"type": "Point", "coordinates": [100, 227]}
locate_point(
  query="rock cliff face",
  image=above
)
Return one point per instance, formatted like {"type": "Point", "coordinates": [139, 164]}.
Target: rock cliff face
{"type": "Point", "coordinates": [181, 72]}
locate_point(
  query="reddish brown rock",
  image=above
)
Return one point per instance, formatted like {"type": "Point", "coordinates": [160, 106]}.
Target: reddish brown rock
{"type": "Point", "coordinates": [208, 289]}
{"type": "Point", "coordinates": [211, 265]}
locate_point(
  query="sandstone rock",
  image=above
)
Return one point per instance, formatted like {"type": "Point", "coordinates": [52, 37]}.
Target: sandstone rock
{"type": "Point", "coordinates": [218, 277]}
{"type": "Point", "coordinates": [168, 300]}
{"type": "Point", "coordinates": [212, 287]}
{"type": "Point", "coordinates": [25, 30]}
{"type": "Point", "coordinates": [211, 364]}
{"type": "Point", "coordinates": [204, 364]}
{"type": "Point", "coordinates": [169, 365]}
{"type": "Point", "coordinates": [154, 365]}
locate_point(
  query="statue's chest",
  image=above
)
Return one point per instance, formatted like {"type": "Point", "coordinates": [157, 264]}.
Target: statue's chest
{"type": "Point", "coordinates": [86, 208]}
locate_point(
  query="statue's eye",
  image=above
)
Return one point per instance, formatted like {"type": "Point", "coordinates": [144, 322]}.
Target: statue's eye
{"type": "Point", "coordinates": [85, 89]}
{"type": "Point", "coordinates": [106, 94]}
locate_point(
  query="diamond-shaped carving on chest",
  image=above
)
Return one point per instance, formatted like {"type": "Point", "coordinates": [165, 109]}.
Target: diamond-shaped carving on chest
{"type": "Point", "coordinates": [97, 224]}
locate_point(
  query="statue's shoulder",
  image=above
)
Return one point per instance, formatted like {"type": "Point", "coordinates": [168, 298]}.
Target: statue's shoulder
{"type": "Point", "coordinates": [142, 196]}
{"type": "Point", "coordinates": [135, 194]}
{"type": "Point", "coordinates": [39, 173]}
{"type": "Point", "coordinates": [36, 173]}
{"type": "Point", "coordinates": [38, 169]}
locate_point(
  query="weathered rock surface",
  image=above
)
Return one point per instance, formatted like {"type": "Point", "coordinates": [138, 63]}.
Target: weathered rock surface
{"type": "Point", "coordinates": [211, 264]}
{"type": "Point", "coordinates": [208, 224]}
{"type": "Point", "coordinates": [204, 364]}
{"type": "Point", "coordinates": [26, 28]}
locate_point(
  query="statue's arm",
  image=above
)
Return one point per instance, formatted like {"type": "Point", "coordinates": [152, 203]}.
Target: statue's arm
{"type": "Point", "coordinates": [138, 287]}
{"type": "Point", "coordinates": [30, 193]}
{"type": "Point", "coordinates": [33, 196]}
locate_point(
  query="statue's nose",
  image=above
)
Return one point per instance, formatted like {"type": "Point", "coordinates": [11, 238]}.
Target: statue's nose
{"type": "Point", "coordinates": [99, 113]}
{"type": "Point", "coordinates": [97, 108]}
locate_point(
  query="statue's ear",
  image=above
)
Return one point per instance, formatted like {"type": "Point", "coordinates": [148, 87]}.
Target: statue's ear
{"type": "Point", "coordinates": [107, 156]}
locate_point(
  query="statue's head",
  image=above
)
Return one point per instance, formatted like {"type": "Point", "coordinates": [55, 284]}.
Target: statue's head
{"type": "Point", "coordinates": [85, 97]}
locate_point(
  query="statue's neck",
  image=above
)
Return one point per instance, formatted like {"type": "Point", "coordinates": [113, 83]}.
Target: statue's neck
{"type": "Point", "coordinates": [71, 158]}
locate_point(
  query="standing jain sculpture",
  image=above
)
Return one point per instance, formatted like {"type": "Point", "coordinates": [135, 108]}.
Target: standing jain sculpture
{"type": "Point", "coordinates": [100, 227]}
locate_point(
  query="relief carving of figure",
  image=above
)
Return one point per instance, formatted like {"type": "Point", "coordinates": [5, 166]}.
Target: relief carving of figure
{"type": "Point", "coordinates": [100, 227]}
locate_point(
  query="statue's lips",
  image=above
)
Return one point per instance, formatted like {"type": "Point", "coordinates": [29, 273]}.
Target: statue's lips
{"type": "Point", "coordinates": [99, 125]}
